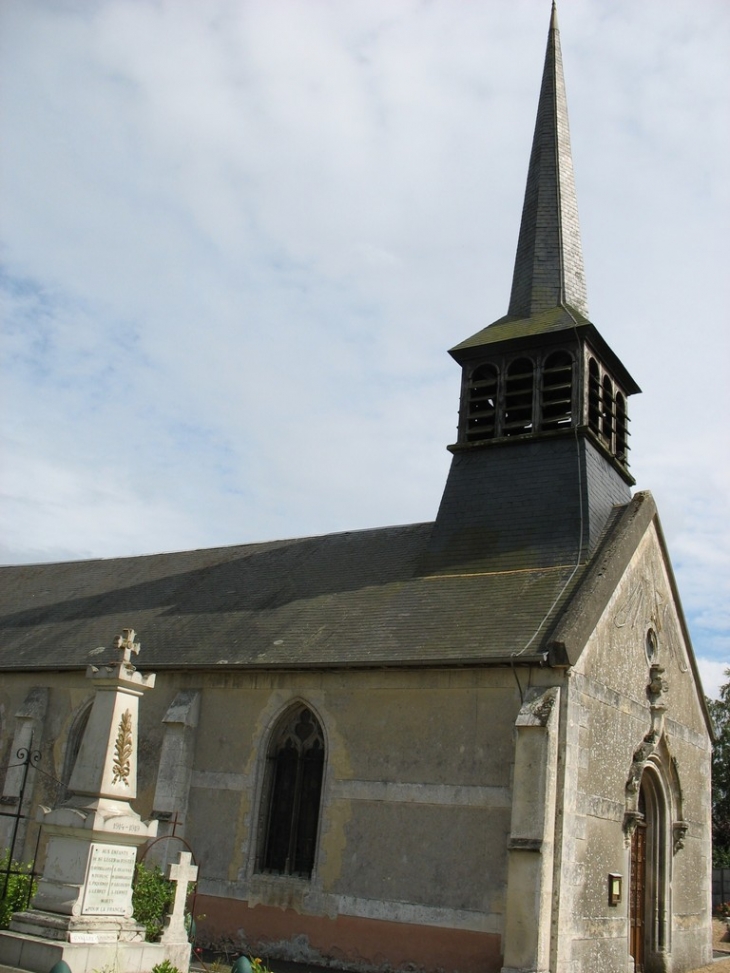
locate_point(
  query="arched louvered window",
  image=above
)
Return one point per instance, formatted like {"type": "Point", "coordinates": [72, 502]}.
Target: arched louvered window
{"type": "Point", "coordinates": [622, 429]}
{"type": "Point", "coordinates": [607, 410]}
{"type": "Point", "coordinates": [557, 391]}
{"type": "Point", "coordinates": [481, 411]}
{"type": "Point", "coordinates": [292, 792]}
{"type": "Point", "coordinates": [594, 396]}
{"type": "Point", "coordinates": [518, 397]}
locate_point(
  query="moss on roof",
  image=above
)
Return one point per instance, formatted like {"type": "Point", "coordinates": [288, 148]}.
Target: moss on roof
{"type": "Point", "coordinates": [509, 328]}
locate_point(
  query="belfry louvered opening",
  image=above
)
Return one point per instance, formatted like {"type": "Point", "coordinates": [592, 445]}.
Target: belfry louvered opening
{"type": "Point", "coordinates": [481, 419]}
{"type": "Point", "coordinates": [518, 397]}
{"type": "Point", "coordinates": [594, 396]}
{"type": "Point", "coordinates": [542, 393]}
{"type": "Point", "coordinates": [607, 412]}
{"type": "Point", "coordinates": [557, 391]}
{"type": "Point", "coordinates": [622, 429]}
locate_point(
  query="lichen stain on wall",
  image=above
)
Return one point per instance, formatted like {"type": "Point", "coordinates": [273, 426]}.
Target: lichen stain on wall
{"type": "Point", "coordinates": [241, 838]}
{"type": "Point", "coordinates": [334, 842]}
{"type": "Point", "coordinates": [335, 814]}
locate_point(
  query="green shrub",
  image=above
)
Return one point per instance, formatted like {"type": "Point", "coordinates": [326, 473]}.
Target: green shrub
{"type": "Point", "coordinates": [165, 967]}
{"type": "Point", "coordinates": [152, 897]}
{"type": "Point", "coordinates": [21, 887]}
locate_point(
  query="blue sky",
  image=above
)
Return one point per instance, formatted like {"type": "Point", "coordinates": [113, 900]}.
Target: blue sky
{"type": "Point", "coordinates": [238, 238]}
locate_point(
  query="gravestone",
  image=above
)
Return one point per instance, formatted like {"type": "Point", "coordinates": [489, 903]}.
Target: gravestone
{"type": "Point", "coordinates": [82, 910]}
{"type": "Point", "coordinates": [181, 874]}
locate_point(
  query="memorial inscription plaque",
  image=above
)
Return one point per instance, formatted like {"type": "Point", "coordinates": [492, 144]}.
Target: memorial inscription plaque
{"type": "Point", "coordinates": [109, 880]}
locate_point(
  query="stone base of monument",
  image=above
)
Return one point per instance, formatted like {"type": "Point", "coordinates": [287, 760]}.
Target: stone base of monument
{"type": "Point", "coordinates": [37, 941]}
{"type": "Point", "coordinates": [77, 929]}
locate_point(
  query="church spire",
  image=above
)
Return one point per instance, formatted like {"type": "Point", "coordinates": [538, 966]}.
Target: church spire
{"type": "Point", "coordinates": [549, 263]}
{"type": "Point", "coordinates": [541, 457]}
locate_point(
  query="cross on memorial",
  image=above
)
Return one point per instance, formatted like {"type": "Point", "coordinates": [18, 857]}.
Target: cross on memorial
{"type": "Point", "coordinates": [126, 644]}
{"type": "Point", "coordinates": [181, 873]}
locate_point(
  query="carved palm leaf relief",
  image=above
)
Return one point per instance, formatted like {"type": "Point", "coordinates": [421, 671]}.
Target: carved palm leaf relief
{"type": "Point", "coordinates": [123, 750]}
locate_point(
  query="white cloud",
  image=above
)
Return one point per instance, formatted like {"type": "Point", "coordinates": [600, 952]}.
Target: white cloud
{"type": "Point", "coordinates": [713, 675]}
{"type": "Point", "coordinates": [240, 237]}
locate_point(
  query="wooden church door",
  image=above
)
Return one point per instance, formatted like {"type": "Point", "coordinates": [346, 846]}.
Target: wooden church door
{"type": "Point", "coordinates": [638, 896]}
{"type": "Point", "coordinates": [637, 893]}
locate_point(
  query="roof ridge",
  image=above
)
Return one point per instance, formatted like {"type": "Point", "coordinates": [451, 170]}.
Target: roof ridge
{"type": "Point", "coordinates": [181, 552]}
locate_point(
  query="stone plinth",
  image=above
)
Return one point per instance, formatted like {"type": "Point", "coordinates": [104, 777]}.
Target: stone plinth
{"type": "Point", "coordinates": [90, 858]}
{"type": "Point", "coordinates": [39, 954]}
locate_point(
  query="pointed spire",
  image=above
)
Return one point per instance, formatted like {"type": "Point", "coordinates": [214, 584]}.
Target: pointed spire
{"type": "Point", "coordinates": [549, 262]}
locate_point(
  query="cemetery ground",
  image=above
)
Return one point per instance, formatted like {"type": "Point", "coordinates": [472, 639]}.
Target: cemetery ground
{"type": "Point", "coordinates": [720, 945]}
{"type": "Point", "coordinates": [720, 964]}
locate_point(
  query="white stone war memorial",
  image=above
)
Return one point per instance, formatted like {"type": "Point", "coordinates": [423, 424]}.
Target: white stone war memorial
{"type": "Point", "coordinates": [473, 745]}
{"type": "Point", "coordinates": [82, 910]}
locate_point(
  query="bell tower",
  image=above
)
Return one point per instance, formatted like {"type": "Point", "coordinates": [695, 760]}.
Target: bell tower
{"type": "Point", "coordinates": [541, 457]}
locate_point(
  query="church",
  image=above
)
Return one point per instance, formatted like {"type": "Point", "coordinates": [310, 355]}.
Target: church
{"type": "Point", "coordinates": [478, 744]}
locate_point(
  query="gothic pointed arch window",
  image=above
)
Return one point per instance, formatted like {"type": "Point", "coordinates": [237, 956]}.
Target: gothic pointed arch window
{"type": "Point", "coordinates": [482, 404]}
{"type": "Point", "coordinates": [518, 412]}
{"type": "Point", "coordinates": [557, 391]}
{"type": "Point", "coordinates": [292, 795]}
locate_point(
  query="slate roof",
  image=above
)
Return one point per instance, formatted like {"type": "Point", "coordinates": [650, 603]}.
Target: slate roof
{"type": "Point", "coordinates": [351, 599]}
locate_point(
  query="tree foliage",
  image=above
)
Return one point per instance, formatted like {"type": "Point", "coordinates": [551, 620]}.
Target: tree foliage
{"type": "Point", "coordinates": [720, 712]}
{"type": "Point", "coordinates": [20, 888]}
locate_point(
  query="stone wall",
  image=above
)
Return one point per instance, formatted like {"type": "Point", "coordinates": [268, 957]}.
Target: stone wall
{"type": "Point", "coordinates": [415, 815]}
{"type": "Point", "coordinates": [617, 726]}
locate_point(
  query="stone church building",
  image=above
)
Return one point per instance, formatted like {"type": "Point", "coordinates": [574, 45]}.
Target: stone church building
{"type": "Point", "coordinates": [478, 744]}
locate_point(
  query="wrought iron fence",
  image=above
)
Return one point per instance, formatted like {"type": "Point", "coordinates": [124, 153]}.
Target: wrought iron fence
{"type": "Point", "coordinates": [12, 864]}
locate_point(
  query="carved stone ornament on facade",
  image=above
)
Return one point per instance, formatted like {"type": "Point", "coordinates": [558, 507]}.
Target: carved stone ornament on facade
{"type": "Point", "coordinates": [679, 833]}
{"type": "Point", "coordinates": [641, 755]}
{"type": "Point", "coordinates": [655, 692]}
{"type": "Point", "coordinates": [123, 750]}
{"type": "Point", "coordinates": [631, 822]}
{"type": "Point", "coordinates": [657, 687]}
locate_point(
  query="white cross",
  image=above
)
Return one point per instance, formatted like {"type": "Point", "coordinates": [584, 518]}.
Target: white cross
{"type": "Point", "coordinates": [126, 644]}
{"type": "Point", "coordinates": [181, 873]}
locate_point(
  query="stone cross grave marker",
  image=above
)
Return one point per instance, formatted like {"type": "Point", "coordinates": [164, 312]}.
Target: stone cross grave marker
{"type": "Point", "coordinates": [181, 873]}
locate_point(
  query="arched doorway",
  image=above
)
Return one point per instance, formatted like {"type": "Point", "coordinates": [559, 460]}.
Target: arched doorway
{"type": "Point", "coordinates": [649, 893]}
